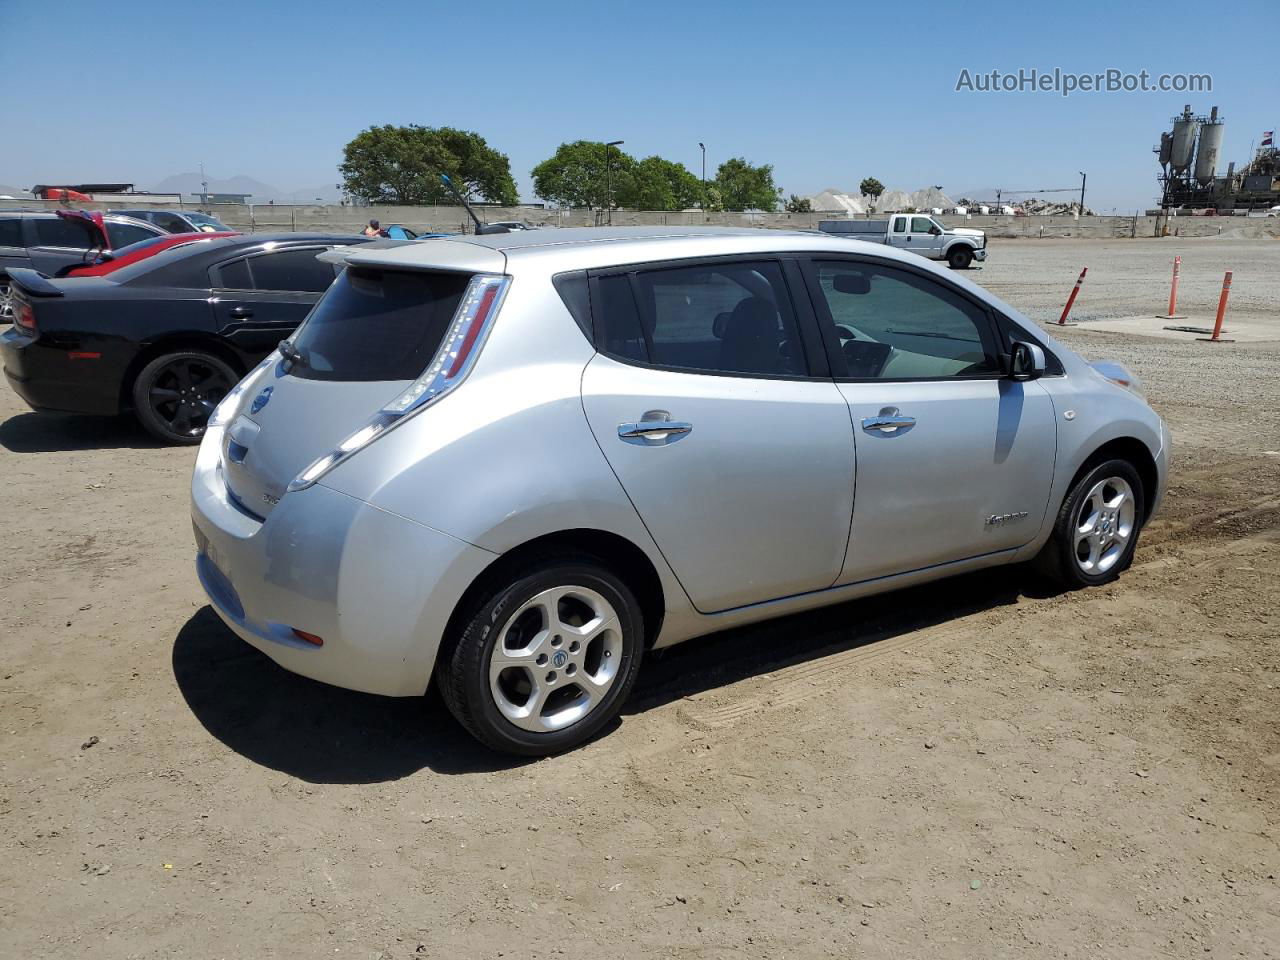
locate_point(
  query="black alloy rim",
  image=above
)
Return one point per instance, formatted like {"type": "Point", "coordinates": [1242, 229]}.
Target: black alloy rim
{"type": "Point", "coordinates": [184, 393]}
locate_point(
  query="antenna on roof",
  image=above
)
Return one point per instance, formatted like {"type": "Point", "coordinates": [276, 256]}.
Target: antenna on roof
{"type": "Point", "coordinates": [481, 228]}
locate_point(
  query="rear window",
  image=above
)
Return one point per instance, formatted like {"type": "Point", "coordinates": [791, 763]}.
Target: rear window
{"type": "Point", "coordinates": [10, 233]}
{"type": "Point", "coordinates": [378, 325]}
{"type": "Point", "coordinates": [62, 233]}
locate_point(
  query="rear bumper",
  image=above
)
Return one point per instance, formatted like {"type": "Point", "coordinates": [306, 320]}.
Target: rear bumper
{"type": "Point", "coordinates": [377, 588]}
{"type": "Point", "coordinates": [49, 378]}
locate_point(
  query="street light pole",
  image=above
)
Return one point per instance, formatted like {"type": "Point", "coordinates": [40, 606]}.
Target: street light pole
{"type": "Point", "coordinates": [1082, 180]}
{"type": "Point", "coordinates": [703, 146]}
{"type": "Point", "coordinates": [608, 175]}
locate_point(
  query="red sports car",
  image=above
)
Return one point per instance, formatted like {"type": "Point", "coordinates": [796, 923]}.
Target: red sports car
{"type": "Point", "coordinates": [109, 260]}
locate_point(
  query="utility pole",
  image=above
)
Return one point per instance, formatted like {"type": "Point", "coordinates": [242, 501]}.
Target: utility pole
{"type": "Point", "coordinates": [608, 173]}
{"type": "Point", "coordinates": [1082, 180]}
{"type": "Point", "coordinates": [204, 185]}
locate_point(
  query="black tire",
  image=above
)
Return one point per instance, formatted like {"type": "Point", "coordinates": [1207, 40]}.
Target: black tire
{"type": "Point", "coordinates": [959, 258]}
{"type": "Point", "coordinates": [174, 394]}
{"type": "Point", "coordinates": [1058, 560]}
{"type": "Point", "coordinates": [463, 670]}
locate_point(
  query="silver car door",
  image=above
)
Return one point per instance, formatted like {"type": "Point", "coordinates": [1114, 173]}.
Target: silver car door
{"type": "Point", "coordinates": [955, 460]}
{"type": "Point", "coordinates": [740, 465]}
{"type": "Point", "coordinates": [922, 239]}
{"type": "Point", "coordinates": [899, 231]}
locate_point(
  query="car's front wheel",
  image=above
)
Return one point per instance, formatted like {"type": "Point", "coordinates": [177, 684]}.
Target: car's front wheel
{"type": "Point", "coordinates": [546, 659]}
{"type": "Point", "coordinates": [174, 395]}
{"type": "Point", "coordinates": [959, 258]}
{"type": "Point", "coordinates": [1096, 531]}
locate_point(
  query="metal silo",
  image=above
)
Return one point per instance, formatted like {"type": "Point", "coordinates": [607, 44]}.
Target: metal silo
{"type": "Point", "coordinates": [1166, 148]}
{"type": "Point", "coordinates": [1184, 141]}
{"type": "Point", "coordinates": [1210, 146]}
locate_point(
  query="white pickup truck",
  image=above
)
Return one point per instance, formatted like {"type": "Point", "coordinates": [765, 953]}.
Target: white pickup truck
{"type": "Point", "coordinates": [917, 232]}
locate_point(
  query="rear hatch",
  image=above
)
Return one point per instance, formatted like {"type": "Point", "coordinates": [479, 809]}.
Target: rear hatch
{"type": "Point", "coordinates": [93, 224]}
{"type": "Point", "coordinates": [371, 336]}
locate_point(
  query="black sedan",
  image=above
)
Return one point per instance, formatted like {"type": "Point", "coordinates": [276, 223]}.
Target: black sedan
{"type": "Point", "coordinates": [167, 337]}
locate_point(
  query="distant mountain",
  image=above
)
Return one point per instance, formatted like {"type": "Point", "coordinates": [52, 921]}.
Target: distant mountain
{"type": "Point", "coordinates": [186, 183]}
{"type": "Point", "coordinates": [260, 192]}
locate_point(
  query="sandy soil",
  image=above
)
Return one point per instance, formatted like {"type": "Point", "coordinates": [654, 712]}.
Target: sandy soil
{"type": "Point", "coordinates": [972, 769]}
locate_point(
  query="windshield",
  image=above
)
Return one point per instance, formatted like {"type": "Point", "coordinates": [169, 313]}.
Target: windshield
{"type": "Point", "coordinates": [204, 220]}
{"type": "Point", "coordinates": [377, 325]}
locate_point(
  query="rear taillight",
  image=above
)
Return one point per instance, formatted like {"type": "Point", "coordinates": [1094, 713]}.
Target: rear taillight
{"type": "Point", "coordinates": [24, 316]}
{"type": "Point", "coordinates": [448, 368]}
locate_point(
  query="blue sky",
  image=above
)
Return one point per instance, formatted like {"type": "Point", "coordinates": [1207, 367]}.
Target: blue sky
{"type": "Point", "coordinates": [827, 92]}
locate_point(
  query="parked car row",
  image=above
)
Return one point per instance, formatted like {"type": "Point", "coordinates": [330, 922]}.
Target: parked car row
{"type": "Point", "coordinates": [507, 465]}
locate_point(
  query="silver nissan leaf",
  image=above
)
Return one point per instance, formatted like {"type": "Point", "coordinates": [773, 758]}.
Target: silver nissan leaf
{"type": "Point", "coordinates": [511, 464]}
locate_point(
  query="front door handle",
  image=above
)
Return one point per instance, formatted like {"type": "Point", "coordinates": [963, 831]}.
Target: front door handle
{"type": "Point", "coordinates": [889, 420]}
{"type": "Point", "coordinates": [241, 313]}
{"type": "Point", "coordinates": [655, 430]}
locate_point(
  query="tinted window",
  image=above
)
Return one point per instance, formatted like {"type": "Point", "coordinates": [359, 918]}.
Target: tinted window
{"type": "Point", "coordinates": [921, 224]}
{"type": "Point", "coordinates": [170, 222]}
{"type": "Point", "coordinates": [235, 276]}
{"type": "Point", "coordinates": [291, 270]}
{"type": "Point", "coordinates": [124, 234]}
{"type": "Point", "coordinates": [899, 224]}
{"type": "Point", "coordinates": [727, 318]}
{"type": "Point", "coordinates": [11, 233]}
{"type": "Point", "coordinates": [894, 324]}
{"type": "Point", "coordinates": [60, 233]}
{"type": "Point", "coordinates": [378, 325]}
{"type": "Point", "coordinates": [573, 290]}
{"type": "Point", "coordinates": [619, 320]}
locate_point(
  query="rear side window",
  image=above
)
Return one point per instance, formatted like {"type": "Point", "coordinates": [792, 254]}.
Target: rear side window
{"type": "Point", "coordinates": [378, 325]}
{"type": "Point", "coordinates": [718, 318]}
{"type": "Point", "coordinates": [126, 234]}
{"type": "Point", "coordinates": [10, 233]}
{"type": "Point", "coordinates": [61, 233]}
{"type": "Point", "coordinates": [291, 270]}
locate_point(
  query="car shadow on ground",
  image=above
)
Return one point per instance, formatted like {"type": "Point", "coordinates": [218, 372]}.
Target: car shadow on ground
{"type": "Point", "coordinates": [58, 432]}
{"type": "Point", "coordinates": [323, 734]}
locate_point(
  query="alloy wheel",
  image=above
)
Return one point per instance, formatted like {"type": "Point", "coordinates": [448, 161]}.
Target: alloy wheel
{"type": "Point", "coordinates": [555, 659]}
{"type": "Point", "coordinates": [184, 393]}
{"type": "Point", "coordinates": [1105, 523]}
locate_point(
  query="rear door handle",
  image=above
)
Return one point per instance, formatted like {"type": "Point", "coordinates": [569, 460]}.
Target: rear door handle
{"type": "Point", "coordinates": [241, 313]}
{"type": "Point", "coordinates": [889, 420]}
{"type": "Point", "coordinates": [654, 432]}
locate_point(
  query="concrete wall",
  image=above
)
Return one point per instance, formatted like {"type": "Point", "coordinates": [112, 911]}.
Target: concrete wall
{"type": "Point", "coordinates": [262, 218]}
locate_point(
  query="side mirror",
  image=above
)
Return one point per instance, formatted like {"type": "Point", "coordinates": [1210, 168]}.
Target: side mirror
{"type": "Point", "coordinates": [936, 231]}
{"type": "Point", "coordinates": [1026, 361]}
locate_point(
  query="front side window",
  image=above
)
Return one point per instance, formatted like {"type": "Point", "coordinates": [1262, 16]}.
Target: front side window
{"type": "Point", "coordinates": [169, 222]}
{"type": "Point", "coordinates": [718, 318]}
{"type": "Point", "coordinates": [894, 324]}
{"type": "Point", "coordinates": [921, 224]}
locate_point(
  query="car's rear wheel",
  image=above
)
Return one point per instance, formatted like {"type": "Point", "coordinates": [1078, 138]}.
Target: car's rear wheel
{"type": "Point", "coordinates": [1096, 531]}
{"type": "Point", "coordinates": [6, 301]}
{"type": "Point", "coordinates": [547, 659]}
{"type": "Point", "coordinates": [175, 394]}
{"type": "Point", "coordinates": [960, 258]}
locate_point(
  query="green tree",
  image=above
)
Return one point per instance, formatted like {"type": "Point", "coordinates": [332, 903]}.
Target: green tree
{"type": "Point", "coordinates": [746, 187]}
{"type": "Point", "coordinates": [713, 202]}
{"type": "Point", "coordinates": [799, 205]}
{"type": "Point", "coordinates": [871, 187]}
{"type": "Point", "coordinates": [402, 164]}
{"type": "Point", "coordinates": [658, 184]}
{"type": "Point", "coordinates": [575, 175]}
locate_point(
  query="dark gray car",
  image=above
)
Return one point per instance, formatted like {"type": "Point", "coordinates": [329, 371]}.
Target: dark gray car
{"type": "Point", "coordinates": [47, 243]}
{"type": "Point", "coordinates": [178, 221]}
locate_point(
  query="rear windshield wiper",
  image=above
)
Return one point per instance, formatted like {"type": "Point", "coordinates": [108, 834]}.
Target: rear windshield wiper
{"type": "Point", "coordinates": [290, 352]}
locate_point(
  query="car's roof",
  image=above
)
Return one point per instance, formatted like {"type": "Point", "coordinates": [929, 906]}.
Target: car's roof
{"type": "Point", "coordinates": [588, 247]}
{"type": "Point", "coordinates": [49, 215]}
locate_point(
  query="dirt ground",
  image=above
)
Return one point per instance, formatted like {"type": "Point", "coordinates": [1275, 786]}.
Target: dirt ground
{"type": "Point", "coordinates": [970, 769]}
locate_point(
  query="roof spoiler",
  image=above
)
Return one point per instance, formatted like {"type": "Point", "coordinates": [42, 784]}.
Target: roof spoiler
{"type": "Point", "coordinates": [339, 254]}
{"type": "Point", "coordinates": [32, 282]}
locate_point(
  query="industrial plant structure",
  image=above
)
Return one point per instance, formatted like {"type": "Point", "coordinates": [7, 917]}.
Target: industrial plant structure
{"type": "Point", "coordinates": [1189, 154]}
